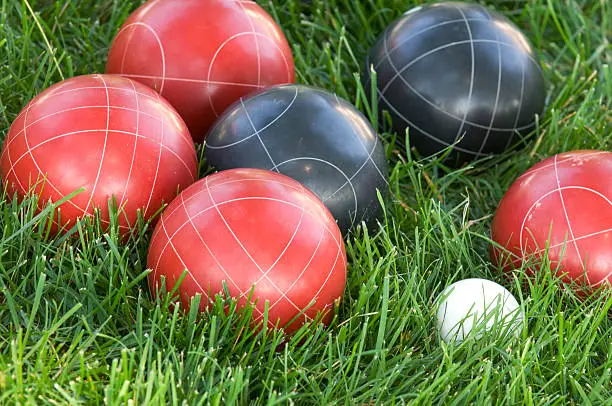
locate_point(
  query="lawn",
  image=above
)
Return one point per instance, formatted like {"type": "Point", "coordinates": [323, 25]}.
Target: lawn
{"type": "Point", "coordinates": [78, 324]}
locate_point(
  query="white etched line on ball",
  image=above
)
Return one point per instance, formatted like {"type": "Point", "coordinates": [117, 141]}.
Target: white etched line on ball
{"type": "Point", "coordinates": [161, 49]}
{"type": "Point", "coordinates": [7, 150]}
{"type": "Point", "coordinates": [306, 267]}
{"type": "Point", "coordinates": [212, 186]}
{"type": "Point", "coordinates": [246, 112]}
{"type": "Point", "coordinates": [569, 225]}
{"type": "Point", "coordinates": [203, 211]}
{"type": "Point", "coordinates": [55, 91]}
{"type": "Point", "coordinates": [427, 134]}
{"type": "Point", "coordinates": [562, 160]}
{"type": "Point", "coordinates": [435, 106]}
{"type": "Point", "coordinates": [438, 25]}
{"type": "Point", "coordinates": [276, 182]}
{"type": "Point", "coordinates": [273, 34]}
{"type": "Point", "coordinates": [520, 106]}
{"type": "Point", "coordinates": [383, 177]}
{"type": "Point", "coordinates": [185, 137]}
{"type": "Point", "coordinates": [57, 137]}
{"type": "Point", "coordinates": [27, 142]}
{"type": "Point", "coordinates": [213, 256]}
{"type": "Point", "coordinates": [499, 77]}
{"type": "Point", "coordinates": [608, 230]}
{"type": "Point", "coordinates": [127, 181]}
{"type": "Point", "coordinates": [297, 227]}
{"type": "Point", "coordinates": [605, 279]}
{"type": "Point", "coordinates": [333, 166]}
{"type": "Point", "coordinates": [93, 189]}
{"type": "Point", "coordinates": [30, 151]}
{"type": "Point", "coordinates": [127, 45]}
{"type": "Point", "coordinates": [269, 40]}
{"type": "Point", "coordinates": [56, 113]}
{"type": "Point", "coordinates": [473, 66]}
{"type": "Point", "coordinates": [358, 171]}
{"type": "Point", "coordinates": [147, 8]}
{"type": "Point", "coordinates": [195, 215]}
{"type": "Point", "coordinates": [207, 209]}
{"type": "Point", "coordinates": [59, 93]}
{"type": "Point", "coordinates": [156, 230]}
{"type": "Point", "coordinates": [550, 193]}
{"type": "Point", "coordinates": [246, 13]}
{"type": "Point", "coordinates": [527, 214]}
{"type": "Point", "coordinates": [168, 242]}
{"type": "Point", "coordinates": [214, 58]}
{"type": "Point", "coordinates": [187, 80]}
{"type": "Point", "coordinates": [431, 27]}
{"type": "Point", "coordinates": [261, 130]}
{"type": "Point", "coordinates": [369, 158]}
{"type": "Point", "coordinates": [440, 48]}
{"type": "Point", "coordinates": [159, 156]}
{"type": "Point", "coordinates": [185, 267]}
{"type": "Point", "coordinates": [243, 247]}
{"type": "Point", "coordinates": [329, 274]}
{"type": "Point", "coordinates": [267, 272]}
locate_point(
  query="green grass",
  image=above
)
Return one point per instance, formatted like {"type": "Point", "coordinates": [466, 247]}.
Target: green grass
{"type": "Point", "coordinates": [79, 326]}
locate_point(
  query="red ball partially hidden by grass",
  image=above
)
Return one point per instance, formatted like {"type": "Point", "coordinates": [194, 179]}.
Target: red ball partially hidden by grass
{"type": "Point", "coordinates": [202, 55]}
{"type": "Point", "coordinates": [563, 207]}
{"type": "Point", "coordinates": [262, 234]}
{"type": "Point", "coordinates": [110, 136]}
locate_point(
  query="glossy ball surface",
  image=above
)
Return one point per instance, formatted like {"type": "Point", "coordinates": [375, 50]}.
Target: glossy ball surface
{"type": "Point", "coordinates": [311, 135]}
{"type": "Point", "coordinates": [252, 228]}
{"type": "Point", "coordinates": [114, 137]}
{"type": "Point", "coordinates": [476, 304]}
{"type": "Point", "coordinates": [201, 55]}
{"type": "Point", "coordinates": [457, 74]}
{"type": "Point", "coordinates": [563, 206]}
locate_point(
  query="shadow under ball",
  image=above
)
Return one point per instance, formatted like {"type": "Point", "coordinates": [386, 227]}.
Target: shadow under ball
{"type": "Point", "coordinates": [312, 136]}
{"type": "Point", "coordinates": [457, 74]}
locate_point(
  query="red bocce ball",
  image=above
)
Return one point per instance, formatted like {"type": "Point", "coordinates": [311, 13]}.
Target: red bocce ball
{"type": "Point", "coordinates": [202, 55]}
{"type": "Point", "coordinates": [109, 135]}
{"type": "Point", "coordinates": [564, 205]}
{"type": "Point", "coordinates": [259, 232]}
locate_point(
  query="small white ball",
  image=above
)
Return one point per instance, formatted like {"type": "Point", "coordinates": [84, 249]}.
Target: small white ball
{"type": "Point", "coordinates": [470, 303]}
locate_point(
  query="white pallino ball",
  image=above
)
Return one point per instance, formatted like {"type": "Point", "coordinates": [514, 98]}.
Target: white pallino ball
{"type": "Point", "coordinates": [470, 303]}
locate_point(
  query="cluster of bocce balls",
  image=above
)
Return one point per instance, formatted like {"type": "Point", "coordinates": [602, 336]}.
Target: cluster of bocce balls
{"type": "Point", "coordinates": [297, 168]}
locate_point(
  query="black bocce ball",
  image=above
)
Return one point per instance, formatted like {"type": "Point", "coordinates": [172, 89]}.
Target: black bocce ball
{"type": "Point", "coordinates": [457, 74]}
{"type": "Point", "coordinates": [312, 136]}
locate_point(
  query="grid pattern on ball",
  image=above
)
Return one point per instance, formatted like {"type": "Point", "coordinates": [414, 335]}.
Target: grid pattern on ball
{"type": "Point", "coordinates": [95, 185]}
{"type": "Point", "coordinates": [209, 80]}
{"type": "Point", "coordinates": [559, 189]}
{"type": "Point", "coordinates": [398, 75]}
{"type": "Point", "coordinates": [248, 16]}
{"type": "Point", "coordinates": [31, 148]}
{"type": "Point", "coordinates": [559, 161]}
{"type": "Point", "coordinates": [243, 290]}
{"type": "Point", "coordinates": [348, 179]}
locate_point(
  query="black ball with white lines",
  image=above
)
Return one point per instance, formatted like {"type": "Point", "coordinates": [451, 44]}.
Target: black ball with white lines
{"type": "Point", "coordinates": [457, 74]}
{"type": "Point", "coordinates": [312, 136]}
